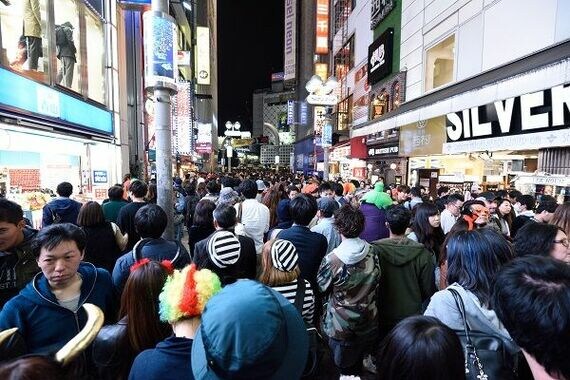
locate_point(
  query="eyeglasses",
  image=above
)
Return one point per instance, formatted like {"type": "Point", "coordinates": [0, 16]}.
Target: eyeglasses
{"type": "Point", "coordinates": [564, 242]}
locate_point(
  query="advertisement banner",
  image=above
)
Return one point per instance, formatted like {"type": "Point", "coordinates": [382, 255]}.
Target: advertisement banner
{"type": "Point", "coordinates": [361, 96]}
{"type": "Point", "coordinates": [423, 138]}
{"type": "Point", "coordinates": [182, 119]}
{"type": "Point", "coordinates": [320, 119]}
{"type": "Point", "coordinates": [327, 134]}
{"type": "Point", "coordinates": [203, 55]}
{"type": "Point", "coordinates": [380, 57]}
{"type": "Point", "coordinates": [160, 48]}
{"type": "Point", "coordinates": [322, 27]}
{"type": "Point", "coordinates": [290, 50]}
{"type": "Point", "coordinates": [204, 140]}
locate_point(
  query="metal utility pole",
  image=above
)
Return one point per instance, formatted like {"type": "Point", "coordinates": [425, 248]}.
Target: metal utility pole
{"type": "Point", "coordinates": [163, 90]}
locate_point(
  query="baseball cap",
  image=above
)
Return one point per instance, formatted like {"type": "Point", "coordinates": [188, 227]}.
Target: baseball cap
{"type": "Point", "coordinates": [224, 248]}
{"type": "Point", "coordinates": [260, 185]}
{"type": "Point", "coordinates": [249, 331]}
{"type": "Point", "coordinates": [327, 205]}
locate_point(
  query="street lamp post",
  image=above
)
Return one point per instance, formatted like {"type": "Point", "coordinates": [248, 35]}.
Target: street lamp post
{"type": "Point", "coordinates": [232, 130]}
{"type": "Point", "coordinates": [321, 94]}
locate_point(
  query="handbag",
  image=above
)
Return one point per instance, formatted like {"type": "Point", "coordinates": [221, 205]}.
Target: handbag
{"type": "Point", "coordinates": [486, 356]}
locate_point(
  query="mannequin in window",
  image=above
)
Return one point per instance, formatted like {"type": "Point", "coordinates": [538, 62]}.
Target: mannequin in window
{"type": "Point", "coordinates": [33, 32]}
{"type": "Point", "coordinates": [65, 53]}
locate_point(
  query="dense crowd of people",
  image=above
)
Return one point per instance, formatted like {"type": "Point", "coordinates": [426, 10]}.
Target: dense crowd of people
{"type": "Point", "coordinates": [277, 276]}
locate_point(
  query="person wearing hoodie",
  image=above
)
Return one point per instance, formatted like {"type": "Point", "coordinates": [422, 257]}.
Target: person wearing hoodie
{"type": "Point", "coordinates": [17, 262]}
{"type": "Point", "coordinates": [373, 205]}
{"type": "Point", "coordinates": [350, 276]}
{"type": "Point", "coordinates": [48, 311]}
{"type": "Point", "coordinates": [62, 209]}
{"type": "Point", "coordinates": [284, 220]}
{"type": "Point", "coordinates": [407, 272]}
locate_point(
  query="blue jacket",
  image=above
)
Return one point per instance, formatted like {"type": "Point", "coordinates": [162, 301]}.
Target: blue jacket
{"type": "Point", "coordinates": [155, 249]}
{"type": "Point", "coordinates": [311, 248]}
{"type": "Point", "coordinates": [171, 359]}
{"type": "Point", "coordinates": [63, 208]}
{"type": "Point", "coordinates": [43, 323]}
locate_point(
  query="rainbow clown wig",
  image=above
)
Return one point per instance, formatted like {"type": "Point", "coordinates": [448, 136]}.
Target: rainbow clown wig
{"type": "Point", "coordinates": [186, 292]}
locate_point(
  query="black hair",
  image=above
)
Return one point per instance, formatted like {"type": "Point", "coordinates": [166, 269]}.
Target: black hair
{"type": "Point", "coordinates": [416, 191]}
{"type": "Point", "coordinates": [291, 188]}
{"type": "Point", "coordinates": [403, 189]}
{"type": "Point", "coordinates": [442, 189]}
{"type": "Point", "coordinates": [501, 193]}
{"type": "Point", "coordinates": [474, 258]}
{"type": "Point", "coordinates": [514, 194]}
{"type": "Point", "coordinates": [421, 347]}
{"type": "Point", "coordinates": [213, 187]}
{"type": "Point", "coordinates": [64, 189]}
{"type": "Point", "coordinates": [115, 193]}
{"type": "Point", "coordinates": [225, 215]}
{"type": "Point", "coordinates": [338, 189]}
{"type": "Point", "coordinates": [10, 212]}
{"type": "Point", "coordinates": [325, 186]}
{"type": "Point", "coordinates": [349, 221]}
{"type": "Point", "coordinates": [547, 206]}
{"type": "Point", "coordinates": [150, 221]}
{"type": "Point", "coordinates": [466, 209]}
{"type": "Point", "coordinates": [138, 188]}
{"type": "Point", "coordinates": [303, 209]}
{"type": "Point", "coordinates": [531, 296]}
{"type": "Point", "coordinates": [535, 239]}
{"type": "Point", "coordinates": [55, 234]}
{"type": "Point", "coordinates": [430, 237]}
{"type": "Point", "coordinates": [527, 200]}
{"type": "Point", "coordinates": [453, 198]}
{"type": "Point", "coordinates": [204, 214]}
{"type": "Point", "coordinates": [248, 189]}
{"type": "Point", "coordinates": [398, 219]}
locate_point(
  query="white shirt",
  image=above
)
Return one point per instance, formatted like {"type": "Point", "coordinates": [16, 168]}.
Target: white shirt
{"type": "Point", "coordinates": [447, 220]}
{"type": "Point", "coordinates": [255, 221]}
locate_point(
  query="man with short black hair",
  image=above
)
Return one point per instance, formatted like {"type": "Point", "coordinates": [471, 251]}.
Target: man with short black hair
{"type": "Point", "coordinates": [254, 216]}
{"type": "Point", "coordinates": [325, 224]}
{"type": "Point", "coordinates": [325, 190]}
{"type": "Point", "coordinates": [150, 222]}
{"type": "Point", "coordinates": [338, 194]}
{"type": "Point", "coordinates": [311, 246]}
{"type": "Point", "coordinates": [220, 253]}
{"type": "Point", "coordinates": [212, 191]}
{"type": "Point", "coordinates": [531, 296]}
{"type": "Point", "coordinates": [48, 311]}
{"type": "Point", "coordinates": [115, 204]}
{"type": "Point", "coordinates": [416, 198]}
{"type": "Point", "coordinates": [449, 216]}
{"type": "Point", "coordinates": [61, 209]}
{"type": "Point", "coordinates": [407, 272]}
{"type": "Point", "coordinates": [17, 261]}
{"type": "Point", "coordinates": [524, 207]}
{"type": "Point", "coordinates": [126, 216]}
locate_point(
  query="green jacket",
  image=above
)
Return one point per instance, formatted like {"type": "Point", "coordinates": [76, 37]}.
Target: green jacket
{"type": "Point", "coordinates": [32, 19]}
{"type": "Point", "coordinates": [17, 267]}
{"type": "Point", "coordinates": [407, 280]}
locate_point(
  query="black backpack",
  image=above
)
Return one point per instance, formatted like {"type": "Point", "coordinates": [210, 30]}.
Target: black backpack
{"type": "Point", "coordinates": [60, 36]}
{"type": "Point", "coordinates": [137, 251]}
{"type": "Point", "coordinates": [314, 357]}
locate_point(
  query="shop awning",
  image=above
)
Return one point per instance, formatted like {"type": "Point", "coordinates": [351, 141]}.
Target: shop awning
{"type": "Point", "coordinates": [544, 69]}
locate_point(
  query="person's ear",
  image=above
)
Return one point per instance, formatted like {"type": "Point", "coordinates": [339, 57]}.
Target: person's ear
{"type": "Point", "coordinates": [21, 224]}
{"type": "Point", "coordinates": [82, 255]}
{"type": "Point", "coordinates": [216, 225]}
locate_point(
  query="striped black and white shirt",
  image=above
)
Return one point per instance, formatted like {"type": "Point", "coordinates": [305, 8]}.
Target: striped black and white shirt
{"type": "Point", "coordinates": [289, 291]}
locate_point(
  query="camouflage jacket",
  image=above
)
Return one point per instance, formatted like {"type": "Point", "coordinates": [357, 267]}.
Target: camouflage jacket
{"type": "Point", "coordinates": [350, 273]}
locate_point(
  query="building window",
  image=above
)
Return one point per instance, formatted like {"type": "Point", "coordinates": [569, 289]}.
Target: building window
{"type": "Point", "coordinates": [344, 59]}
{"type": "Point", "coordinates": [344, 114]}
{"type": "Point", "coordinates": [342, 10]}
{"type": "Point", "coordinates": [95, 57]}
{"type": "Point", "coordinates": [67, 44]}
{"type": "Point", "coordinates": [24, 42]}
{"type": "Point", "coordinates": [440, 61]}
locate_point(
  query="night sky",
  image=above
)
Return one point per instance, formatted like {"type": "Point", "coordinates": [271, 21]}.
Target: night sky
{"type": "Point", "coordinates": [250, 48]}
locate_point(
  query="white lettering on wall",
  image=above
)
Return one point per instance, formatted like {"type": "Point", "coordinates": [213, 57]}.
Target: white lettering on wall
{"type": "Point", "coordinates": [560, 98]}
{"type": "Point", "coordinates": [505, 114]}
{"type": "Point", "coordinates": [479, 129]}
{"type": "Point", "coordinates": [528, 102]}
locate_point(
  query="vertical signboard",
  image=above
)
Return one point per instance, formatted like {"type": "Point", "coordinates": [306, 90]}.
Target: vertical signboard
{"type": "Point", "coordinates": [204, 140]}
{"type": "Point", "coordinates": [182, 118]}
{"type": "Point", "coordinates": [322, 27]}
{"type": "Point", "coordinates": [203, 55]}
{"type": "Point", "coordinates": [380, 57]}
{"type": "Point", "coordinates": [160, 49]}
{"type": "Point", "coordinates": [290, 56]}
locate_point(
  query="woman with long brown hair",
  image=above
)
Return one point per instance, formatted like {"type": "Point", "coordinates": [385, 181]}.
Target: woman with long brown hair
{"type": "Point", "coordinates": [561, 217]}
{"type": "Point", "coordinates": [271, 200]}
{"type": "Point", "coordinates": [139, 327]}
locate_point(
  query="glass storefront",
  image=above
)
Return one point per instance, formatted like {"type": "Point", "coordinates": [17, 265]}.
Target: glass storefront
{"type": "Point", "coordinates": [28, 37]}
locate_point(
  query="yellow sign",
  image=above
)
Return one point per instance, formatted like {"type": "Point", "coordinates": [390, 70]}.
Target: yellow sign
{"type": "Point", "coordinates": [236, 143]}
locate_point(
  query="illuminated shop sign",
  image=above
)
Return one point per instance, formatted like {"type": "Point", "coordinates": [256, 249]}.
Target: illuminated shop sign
{"type": "Point", "coordinates": [379, 10]}
{"type": "Point", "coordinates": [203, 55]}
{"type": "Point", "coordinates": [322, 27]}
{"type": "Point", "coordinates": [528, 121]}
{"type": "Point", "coordinates": [17, 92]}
{"type": "Point", "coordinates": [380, 57]}
{"type": "Point", "coordinates": [384, 151]}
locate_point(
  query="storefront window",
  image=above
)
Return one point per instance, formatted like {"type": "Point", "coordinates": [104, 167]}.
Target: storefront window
{"type": "Point", "coordinates": [95, 58]}
{"type": "Point", "coordinates": [23, 34]}
{"type": "Point", "coordinates": [67, 44]}
{"type": "Point", "coordinates": [344, 114]}
{"type": "Point", "coordinates": [344, 59]}
{"type": "Point", "coordinates": [440, 61]}
{"type": "Point", "coordinates": [380, 104]}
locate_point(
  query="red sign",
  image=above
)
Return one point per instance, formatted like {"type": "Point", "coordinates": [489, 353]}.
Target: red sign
{"type": "Point", "coordinates": [322, 45]}
{"type": "Point", "coordinates": [359, 173]}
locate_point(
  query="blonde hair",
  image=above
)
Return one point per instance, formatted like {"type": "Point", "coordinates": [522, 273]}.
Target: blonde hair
{"type": "Point", "coordinates": [270, 275]}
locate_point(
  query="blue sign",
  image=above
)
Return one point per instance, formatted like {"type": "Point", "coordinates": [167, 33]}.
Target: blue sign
{"type": "Point", "coordinates": [136, 2]}
{"type": "Point", "coordinates": [22, 93]}
{"type": "Point", "coordinates": [159, 46]}
{"type": "Point", "coordinates": [100, 176]}
{"type": "Point", "coordinates": [327, 134]}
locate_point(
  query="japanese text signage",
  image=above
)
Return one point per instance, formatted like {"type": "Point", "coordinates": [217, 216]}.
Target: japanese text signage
{"type": "Point", "coordinates": [290, 56]}
{"type": "Point", "coordinates": [203, 55]}
{"type": "Point", "coordinates": [100, 176]}
{"type": "Point", "coordinates": [379, 10]}
{"type": "Point", "coordinates": [380, 57]}
{"type": "Point", "coordinates": [529, 121]}
{"type": "Point", "coordinates": [322, 27]}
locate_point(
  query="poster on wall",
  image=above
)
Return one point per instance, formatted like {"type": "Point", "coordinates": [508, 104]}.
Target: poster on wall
{"type": "Point", "coordinates": [204, 140]}
{"type": "Point", "coordinates": [290, 43]}
{"type": "Point", "coordinates": [203, 55]}
{"type": "Point", "coordinates": [182, 118]}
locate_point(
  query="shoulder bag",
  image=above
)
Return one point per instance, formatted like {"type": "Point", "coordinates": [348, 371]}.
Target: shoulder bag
{"type": "Point", "coordinates": [486, 357]}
